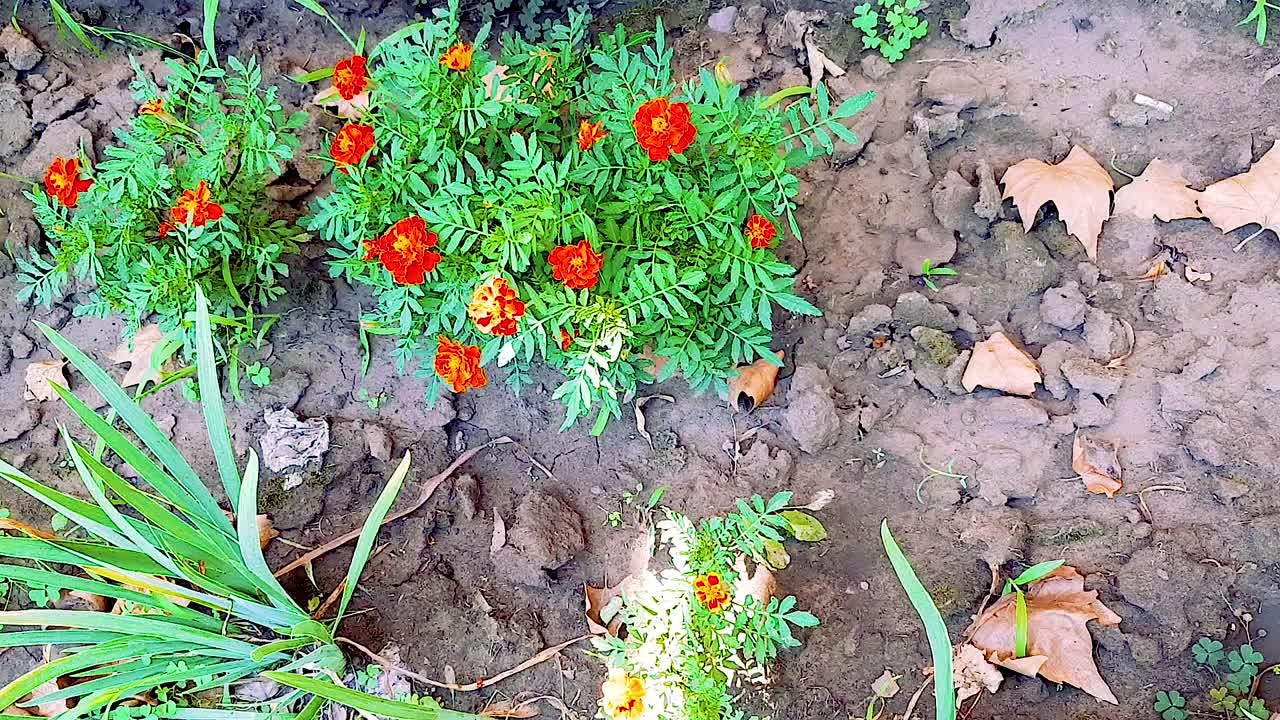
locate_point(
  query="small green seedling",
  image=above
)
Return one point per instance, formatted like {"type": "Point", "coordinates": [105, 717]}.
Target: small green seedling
{"type": "Point", "coordinates": [901, 26]}
{"type": "Point", "coordinates": [1171, 705]}
{"type": "Point", "coordinates": [929, 271]}
{"type": "Point", "coordinates": [1017, 585]}
{"type": "Point", "coordinates": [373, 401]}
{"type": "Point", "coordinates": [1258, 17]}
{"type": "Point", "coordinates": [258, 374]}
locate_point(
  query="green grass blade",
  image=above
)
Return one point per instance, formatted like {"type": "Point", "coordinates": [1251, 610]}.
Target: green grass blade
{"type": "Point", "coordinates": [210, 19]}
{"type": "Point", "coordinates": [1037, 571]}
{"type": "Point", "coordinates": [215, 417]}
{"type": "Point", "coordinates": [108, 653]}
{"type": "Point", "coordinates": [67, 23]}
{"type": "Point", "coordinates": [22, 638]}
{"type": "Point", "coordinates": [152, 626]}
{"type": "Point", "coordinates": [373, 523]}
{"type": "Point", "coordinates": [1020, 624]}
{"type": "Point", "coordinates": [934, 627]}
{"type": "Point", "coordinates": [87, 515]}
{"type": "Point", "coordinates": [143, 426]}
{"type": "Point", "coordinates": [313, 708]}
{"type": "Point", "coordinates": [251, 546]}
{"type": "Point", "coordinates": [97, 587]}
{"type": "Point", "coordinates": [76, 552]}
{"type": "Point", "coordinates": [182, 713]}
{"type": "Point", "coordinates": [279, 646]}
{"type": "Point", "coordinates": [365, 702]}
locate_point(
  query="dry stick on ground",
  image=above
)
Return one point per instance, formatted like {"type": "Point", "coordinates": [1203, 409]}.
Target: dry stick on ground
{"type": "Point", "coordinates": [482, 683]}
{"type": "Point", "coordinates": [427, 492]}
{"type": "Point", "coordinates": [1142, 501]}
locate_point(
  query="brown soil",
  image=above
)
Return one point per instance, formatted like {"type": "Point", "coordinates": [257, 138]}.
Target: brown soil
{"type": "Point", "coordinates": [1193, 407]}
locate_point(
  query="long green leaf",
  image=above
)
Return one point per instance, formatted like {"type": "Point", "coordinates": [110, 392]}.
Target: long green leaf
{"type": "Point", "coordinates": [934, 627]}
{"type": "Point", "coordinates": [251, 545]}
{"type": "Point", "coordinates": [87, 515]}
{"type": "Point", "coordinates": [78, 552]}
{"type": "Point", "coordinates": [210, 19]}
{"type": "Point", "coordinates": [143, 426]}
{"type": "Point", "coordinates": [22, 638]}
{"type": "Point", "coordinates": [215, 417]}
{"type": "Point", "coordinates": [1020, 624]}
{"type": "Point", "coordinates": [153, 626]}
{"type": "Point", "coordinates": [369, 533]}
{"type": "Point", "coordinates": [103, 654]}
{"type": "Point", "coordinates": [365, 702]}
{"type": "Point", "coordinates": [97, 587]}
{"type": "Point", "coordinates": [1037, 571]}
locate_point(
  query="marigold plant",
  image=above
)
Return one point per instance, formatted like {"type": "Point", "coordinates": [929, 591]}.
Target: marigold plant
{"type": "Point", "coordinates": [699, 630]}
{"type": "Point", "coordinates": [571, 203]}
{"type": "Point", "coordinates": [179, 202]}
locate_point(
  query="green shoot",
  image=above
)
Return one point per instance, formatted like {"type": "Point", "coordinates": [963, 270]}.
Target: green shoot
{"type": "Point", "coordinates": [900, 28]}
{"type": "Point", "coordinates": [1258, 17]}
{"type": "Point", "coordinates": [929, 271]}
{"type": "Point", "coordinates": [934, 627]}
{"type": "Point", "coordinates": [1028, 576]}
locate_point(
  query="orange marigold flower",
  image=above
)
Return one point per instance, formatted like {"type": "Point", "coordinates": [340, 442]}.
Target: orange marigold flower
{"type": "Point", "coordinates": [760, 231]}
{"type": "Point", "coordinates": [622, 695]}
{"type": "Point", "coordinates": [196, 207]}
{"type": "Point", "coordinates": [167, 227]}
{"type": "Point", "coordinates": [663, 127]}
{"type": "Point", "coordinates": [458, 57]}
{"type": "Point", "coordinates": [577, 266]}
{"type": "Point", "coordinates": [351, 144]}
{"type": "Point", "coordinates": [405, 250]}
{"type": "Point", "coordinates": [495, 308]}
{"type": "Point", "coordinates": [459, 365]}
{"type": "Point", "coordinates": [712, 592]}
{"type": "Point", "coordinates": [590, 133]}
{"type": "Point", "coordinates": [351, 76]}
{"type": "Point", "coordinates": [62, 181]}
{"type": "Point", "coordinates": [152, 107]}
{"type": "Point", "coordinates": [566, 340]}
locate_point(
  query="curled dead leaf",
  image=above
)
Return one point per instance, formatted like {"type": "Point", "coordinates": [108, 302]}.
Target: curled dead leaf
{"type": "Point", "coordinates": [998, 364]}
{"type": "Point", "coordinates": [886, 686]}
{"type": "Point", "coordinates": [753, 384]}
{"type": "Point", "coordinates": [1161, 191]}
{"type": "Point", "coordinates": [138, 353]}
{"type": "Point", "coordinates": [353, 109]}
{"type": "Point", "coordinates": [1078, 186]}
{"type": "Point", "coordinates": [39, 374]}
{"type": "Point", "coordinates": [760, 585]}
{"type": "Point", "coordinates": [1193, 274]}
{"type": "Point", "coordinates": [1159, 267]}
{"type": "Point", "coordinates": [526, 709]}
{"type": "Point", "coordinates": [499, 538]}
{"type": "Point", "coordinates": [52, 708]}
{"type": "Point", "coordinates": [972, 673]}
{"type": "Point", "coordinates": [820, 500]}
{"type": "Point", "coordinates": [266, 531]}
{"type": "Point", "coordinates": [641, 422]}
{"type": "Point", "coordinates": [18, 526]}
{"type": "Point", "coordinates": [1097, 463]}
{"type": "Point", "coordinates": [81, 600]}
{"type": "Point", "coordinates": [1059, 646]}
{"type": "Point", "coordinates": [603, 603]}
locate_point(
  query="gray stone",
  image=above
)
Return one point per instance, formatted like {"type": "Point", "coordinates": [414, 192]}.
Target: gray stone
{"type": "Point", "coordinates": [937, 130]}
{"type": "Point", "coordinates": [19, 50]}
{"type": "Point", "coordinates": [990, 201]}
{"type": "Point", "coordinates": [935, 244]}
{"type": "Point", "coordinates": [1063, 307]}
{"type": "Point", "coordinates": [1027, 264]}
{"type": "Point", "coordinates": [15, 123]}
{"type": "Point", "coordinates": [1088, 376]}
{"type": "Point", "coordinates": [871, 317]}
{"type": "Point", "coordinates": [750, 20]}
{"type": "Point", "coordinates": [810, 415]}
{"type": "Point", "coordinates": [1051, 359]}
{"type": "Point", "coordinates": [721, 21]}
{"type": "Point", "coordinates": [1100, 334]}
{"type": "Point", "coordinates": [55, 105]}
{"type": "Point", "coordinates": [957, 88]}
{"type": "Point", "coordinates": [21, 346]}
{"type": "Point", "coordinates": [875, 67]}
{"type": "Point", "coordinates": [954, 375]}
{"type": "Point", "coordinates": [1092, 412]}
{"type": "Point", "coordinates": [63, 139]}
{"type": "Point", "coordinates": [379, 441]}
{"type": "Point", "coordinates": [953, 201]}
{"type": "Point", "coordinates": [913, 310]}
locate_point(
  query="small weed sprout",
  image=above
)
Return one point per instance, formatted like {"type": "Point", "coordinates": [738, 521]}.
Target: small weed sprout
{"type": "Point", "coordinates": [891, 29]}
{"type": "Point", "coordinates": [1017, 585]}
{"type": "Point", "coordinates": [929, 271]}
{"type": "Point", "coordinates": [1258, 18]}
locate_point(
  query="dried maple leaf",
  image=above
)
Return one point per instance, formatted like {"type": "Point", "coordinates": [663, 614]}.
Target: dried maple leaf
{"type": "Point", "coordinates": [1160, 191]}
{"type": "Point", "coordinates": [753, 384]}
{"type": "Point", "coordinates": [1059, 647]}
{"type": "Point", "coordinates": [998, 364]}
{"type": "Point", "coordinates": [40, 374]}
{"type": "Point", "coordinates": [1248, 198]}
{"type": "Point", "coordinates": [1097, 464]}
{"type": "Point", "coordinates": [603, 603]}
{"type": "Point", "coordinates": [972, 673]}
{"type": "Point", "coordinates": [1078, 186]}
{"type": "Point", "coordinates": [138, 354]}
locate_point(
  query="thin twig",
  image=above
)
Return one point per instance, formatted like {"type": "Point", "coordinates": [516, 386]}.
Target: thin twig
{"type": "Point", "coordinates": [427, 491]}
{"type": "Point", "coordinates": [1142, 501]}
{"type": "Point", "coordinates": [942, 60]}
{"type": "Point", "coordinates": [329, 601]}
{"type": "Point", "coordinates": [911, 706]}
{"type": "Point", "coordinates": [541, 657]}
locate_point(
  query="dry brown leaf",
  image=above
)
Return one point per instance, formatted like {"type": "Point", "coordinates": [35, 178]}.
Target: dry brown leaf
{"type": "Point", "coordinates": [972, 673]}
{"type": "Point", "coordinates": [40, 374]}
{"type": "Point", "coordinates": [1059, 646]}
{"type": "Point", "coordinates": [753, 384]}
{"type": "Point", "coordinates": [526, 709]}
{"type": "Point", "coordinates": [1097, 464]}
{"type": "Point", "coordinates": [1251, 197]}
{"type": "Point", "coordinates": [266, 531]}
{"type": "Point", "coordinates": [641, 422]}
{"type": "Point", "coordinates": [25, 529]}
{"type": "Point", "coordinates": [49, 709]}
{"type": "Point", "coordinates": [886, 686]}
{"type": "Point", "coordinates": [81, 600]}
{"type": "Point", "coordinates": [1159, 268]}
{"type": "Point", "coordinates": [603, 603]}
{"type": "Point", "coordinates": [760, 585]}
{"type": "Point", "coordinates": [659, 361]}
{"type": "Point", "coordinates": [353, 109]}
{"type": "Point", "coordinates": [145, 342]}
{"type": "Point", "coordinates": [1000, 365]}
{"type": "Point", "coordinates": [1161, 190]}
{"type": "Point", "coordinates": [1194, 275]}
{"type": "Point", "coordinates": [1079, 187]}
{"type": "Point", "coordinates": [499, 538]}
